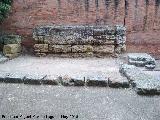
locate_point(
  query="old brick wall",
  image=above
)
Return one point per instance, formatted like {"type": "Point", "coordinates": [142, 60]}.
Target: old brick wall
{"type": "Point", "coordinates": [142, 18]}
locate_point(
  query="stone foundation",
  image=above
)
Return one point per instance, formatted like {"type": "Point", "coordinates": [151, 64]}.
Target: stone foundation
{"type": "Point", "coordinates": [84, 40]}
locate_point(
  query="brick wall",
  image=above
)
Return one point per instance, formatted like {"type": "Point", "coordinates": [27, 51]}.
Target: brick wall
{"type": "Point", "coordinates": [142, 18]}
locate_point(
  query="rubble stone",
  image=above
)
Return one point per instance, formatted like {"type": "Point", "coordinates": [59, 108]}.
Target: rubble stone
{"type": "Point", "coordinates": [10, 39]}
{"type": "Point", "coordinates": [72, 35]}
{"type": "Point", "coordinates": [141, 59]}
{"type": "Point", "coordinates": [41, 48]}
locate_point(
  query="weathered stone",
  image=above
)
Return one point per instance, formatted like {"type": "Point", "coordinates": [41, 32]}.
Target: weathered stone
{"type": "Point", "coordinates": [14, 78]}
{"type": "Point", "coordinates": [120, 30]}
{"type": "Point", "coordinates": [150, 67]}
{"type": "Point", "coordinates": [140, 59]}
{"type": "Point", "coordinates": [10, 39]}
{"type": "Point", "coordinates": [50, 80]}
{"type": "Point", "coordinates": [118, 82]}
{"type": "Point", "coordinates": [120, 48]}
{"type": "Point", "coordinates": [41, 48]}
{"type": "Point", "coordinates": [142, 83]}
{"type": "Point", "coordinates": [33, 79]}
{"type": "Point", "coordinates": [108, 49]}
{"type": "Point", "coordinates": [77, 35]}
{"type": "Point", "coordinates": [82, 48]}
{"type": "Point", "coordinates": [72, 81]}
{"type": "Point", "coordinates": [97, 81]}
{"type": "Point", "coordinates": [11, 49]}
{"type": "Point", "coordinates": [60, 48]}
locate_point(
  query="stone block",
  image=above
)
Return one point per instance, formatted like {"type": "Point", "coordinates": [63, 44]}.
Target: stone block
{"type": "Point", "coordinates": [11, 49]}
{"type": "Point", "coordinates": [118, 82]}
{"type": "Point", "coordinates": [72, 81]}
{"type": "Point", "coordinates": [120, 48]}
{"type": "Point", "coordinates": [143, 83]}
{"type": "Point", "coordinates": [141, 59]}
{"type": "Point", "coordinates": [10, 39]}
{"type": "Point", "coordinates": [50, 80]}
{"type": "Point", "coordinates": [41, 48]}
{"type": "Point", "coordinates": [107, 49]}
{"type": "Point", "coordinates": [60, 48]}
{"type": "Point", "coordinates": [82, 48]}
{"type": "Point", "coordinates": [33, 79]}
{"type": "Point", "coordinates": [14, 78]}
{"type": "Point", "coordinates": [98, 81]}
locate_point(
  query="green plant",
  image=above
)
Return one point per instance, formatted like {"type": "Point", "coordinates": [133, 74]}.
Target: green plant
{"type": "Point", "coordinates": [5, 6]}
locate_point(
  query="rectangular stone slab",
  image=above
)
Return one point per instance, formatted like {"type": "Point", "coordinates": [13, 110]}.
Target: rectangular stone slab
{"type": "Point", "coordinates": [143, 83]}
{"type": "Point", "coordinates": [72, 81]}
{"type": "Point", "coordinates": [118, 82]}
{"type": "Point", "coordinates": [50, 80]}
{"type": "Point", "coordinates": [96, 81]}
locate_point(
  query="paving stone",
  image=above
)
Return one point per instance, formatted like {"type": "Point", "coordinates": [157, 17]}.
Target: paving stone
{"type": "Point", "coordinates": [72, 81]}
{"type": "Point", "coordinates": [50, 80]}
{"type": "Point", "coordinates": [143, 83]}
{"type": "Point", "coordinates": [141, 59]}
{"type": "Point", "coordinates": [118, 82]}
{"type": "Point", "coordinates": [97, 81]}
{"type": "Point", "coordinates": [33, 79]}
{"type": "Point", "coordinates": [14, 78]}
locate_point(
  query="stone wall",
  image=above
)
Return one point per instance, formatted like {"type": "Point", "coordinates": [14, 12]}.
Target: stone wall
{"type": "Point", "coordinates": [83, 40]}
{"type": "Point", "coordinates": [142, 18]}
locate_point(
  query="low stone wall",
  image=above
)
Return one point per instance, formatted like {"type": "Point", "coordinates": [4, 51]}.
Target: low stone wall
{"type": "Point", "coordinates": [83, 40]}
